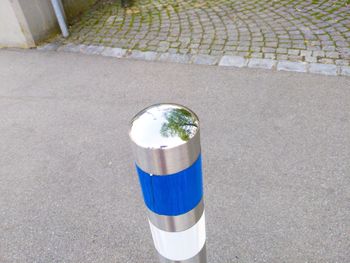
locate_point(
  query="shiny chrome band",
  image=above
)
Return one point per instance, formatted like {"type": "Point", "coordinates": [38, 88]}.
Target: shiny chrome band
{"type": "Point", "coordinates": [177, 223]}
{"type": "Point", "coordinates": [168, 161]}
{"type": "Point", "coordinates": [165, 138]}
{"type": "Point", "coordinates": [201, 257]}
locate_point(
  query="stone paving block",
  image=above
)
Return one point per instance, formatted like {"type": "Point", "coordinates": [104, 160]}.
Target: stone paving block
{"type": "Point", "coordinates": [261, 63]}
{"type": "Point", "coordinates": [256, 55]}
{"type": "Point", "coordinates": [268, 50]}
{"type": "Point", "coordinates": [326, 61]}
{"type": "Point", "coordinates": [243, 53]}
{"type": "Point", "coordinates": [271, 44]}
{"type": "Point", "coordinates": [342, 43]}
{"type": "Point", "coordinates": [255, 48]}
{"type": "Point", "coordinates": [342, 62]}
{"type": "Point", "coordinates": [205, 59]}
{"type": "Point", "coordinates": [295, 58]}
{"type": "Point", "coordinates": [204, 51]}
{"type": "Point", "coordinates": [329, 48]}
{"type": "Point", "coordinates": [71, 48]}
{"type": "Point", "coordinates": [49, 47]}
{"type": "Point", "coordinates": [298, 46]}
{"type": "Point", "coordinates": [184, 50]}
{"type": "Point", "coordinates": [282, 57]}
{"type": "Point", "coordinates": [292, 66]}
{"type": "Point", "coordinates": [233, 61]}
{"type": "Point", "coordinates": [323, 69]}
{"type": "Point", "coordinates": [270, 55]}
{"type": "Point", "coordinates": [242, 48]}
{"type": "Point", "coordinates": [281, 50]}
{"type": "Point", "coordinates": [332, 54]}
{"type": "Point", "coordinates": [172, 50]}
{"type": "Point", "coordinates": [144, 55]}
{"type": "Point", "coordinates": [216, 53]}
{"type": "Point", "coordinates": [113, 52]}
{"type": "Point", "coordinates": [345, 71]}
{"type": "Point", "coordinates": [311, 59]}
{"type": "Point", "coordinates": [177, 58]}
{"type": "Point", "coordinates": [318, 53]}
{"type": "Point", "coordinates": [306, 53]}
{"type": "Point", "coordinates": [294, 52]}
{"type": "Point", "coordinates": [162, 49]}
{"type": "Point", "coordinates": [285, 45]}
{"type": "Point", "coordinates": [91, 50]}
{"type": "Point", "coordinates": [175, 44]}
{"type": "Point", "coordinates": [164, 44]}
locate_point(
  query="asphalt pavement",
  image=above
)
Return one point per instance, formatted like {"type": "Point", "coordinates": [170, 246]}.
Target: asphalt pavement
{"type": "Point", "coordinates": [276, 151]}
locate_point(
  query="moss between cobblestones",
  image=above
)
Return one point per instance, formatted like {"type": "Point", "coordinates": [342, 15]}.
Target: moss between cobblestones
{"type": "Point", "coordinates": [218, 27]}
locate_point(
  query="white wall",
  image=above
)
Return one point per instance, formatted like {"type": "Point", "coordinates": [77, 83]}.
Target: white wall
{"type": "Point", "coordinates": [13, 33]}
{"type": "Point", "coordinates": [40, 17]}
{"type": "Point", "coordinates": [26, 23]}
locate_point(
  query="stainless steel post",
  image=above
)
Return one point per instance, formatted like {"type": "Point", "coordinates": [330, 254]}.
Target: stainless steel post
{"type": "Point", "coordinates": [61, 16]}
{"type": "Point", "coordinates": [166, 144]}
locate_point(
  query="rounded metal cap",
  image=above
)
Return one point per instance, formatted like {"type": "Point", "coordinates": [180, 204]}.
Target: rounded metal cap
{"type": "Point", "coordinates": [165, 138]}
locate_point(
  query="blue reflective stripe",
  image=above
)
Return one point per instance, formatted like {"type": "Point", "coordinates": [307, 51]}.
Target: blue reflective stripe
{"type": "Point", "coordinates": [173, 194]}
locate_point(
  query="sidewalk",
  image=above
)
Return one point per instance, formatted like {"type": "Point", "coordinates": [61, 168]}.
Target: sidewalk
{"type": "Point", "coordinates": [299, 30]}
{"type": "Point", "coordinates": [289, 35]}
{"type": "Point", "coordinates": [276, 151]}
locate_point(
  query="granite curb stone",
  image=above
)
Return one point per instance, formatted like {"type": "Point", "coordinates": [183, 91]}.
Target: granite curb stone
{"type": "Point", "coordinates": [292, 66]}
{"type": "Point", "coordinates": [202, 59]}
{"type": "Point", "coordinates": [233, 61]}
{"type": "Point", "coordinates": [262, 63]}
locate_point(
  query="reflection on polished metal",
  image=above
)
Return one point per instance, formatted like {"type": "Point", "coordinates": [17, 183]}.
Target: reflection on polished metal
{"type": "Point", "coordinates": [201, 257]}
{"type": "Point", "coordinates": [165, 138]}
{"type": "Point", "coordinates": [166, 144]}
{"type": "Point", "coordinates": [177, 223]}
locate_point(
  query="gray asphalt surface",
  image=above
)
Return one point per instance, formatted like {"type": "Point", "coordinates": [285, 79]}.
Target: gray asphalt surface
{"type": "Point", "coordinates": [276, 151]}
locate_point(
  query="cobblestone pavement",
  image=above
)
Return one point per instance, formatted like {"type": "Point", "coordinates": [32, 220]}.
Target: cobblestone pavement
{"type": "Point", "coordinates": [294, 30]}
{"type": "Point", "coordinates": [292, 35]}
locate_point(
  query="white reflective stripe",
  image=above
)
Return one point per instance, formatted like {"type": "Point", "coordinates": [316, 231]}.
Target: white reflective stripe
{"type": "Point", "coordinates": [179, 245]}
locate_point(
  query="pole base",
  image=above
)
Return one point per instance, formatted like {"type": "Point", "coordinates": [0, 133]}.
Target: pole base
{"type": "Point", "coordinates": [201, 257]}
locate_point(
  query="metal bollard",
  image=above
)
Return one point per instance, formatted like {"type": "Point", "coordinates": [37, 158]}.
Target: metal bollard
{"type": "Point", "coordinates": [166, 144]}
